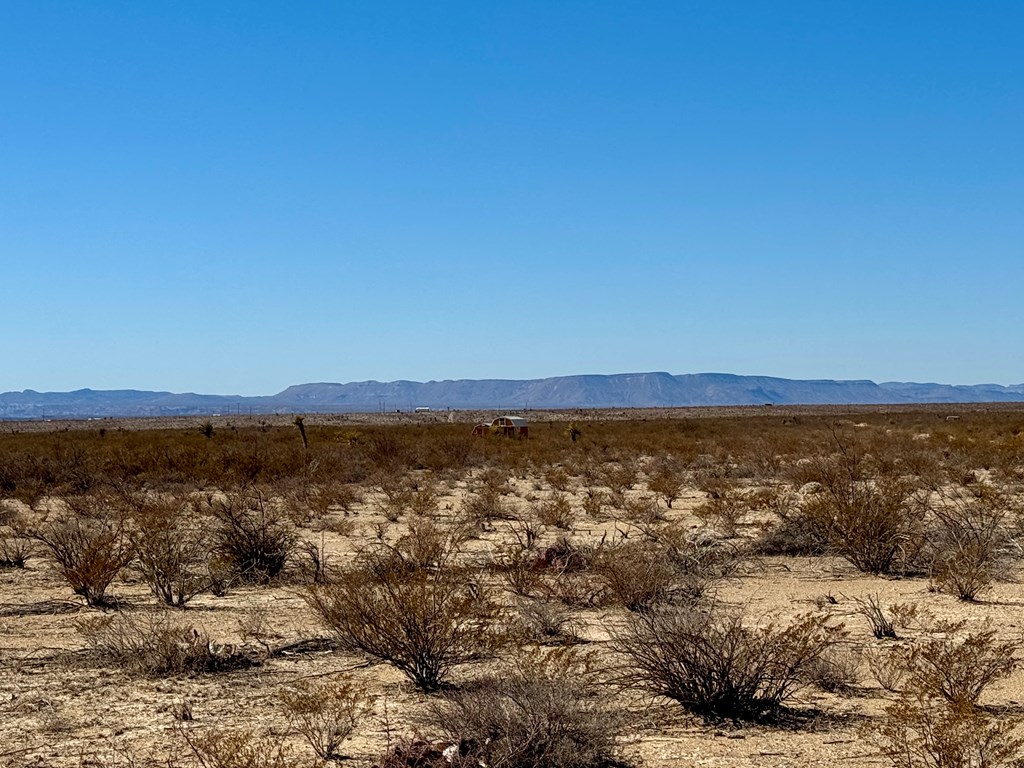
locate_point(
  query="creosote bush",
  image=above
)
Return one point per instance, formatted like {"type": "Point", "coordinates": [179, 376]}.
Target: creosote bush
{"type": "Point", "coordinates": [173, 548]}
{"type": "Point", "coordinates": [959, 670]}
{"type": "Point", "coordinates": [874, 522]}
{"type": "Point", "coordinates": [89, 551]}
{"type": "Point", "coordinates": [972, 542]}
{"type": "Point", "coordinates": [716, 667]}
{"type": "Point", "coordinates": [241, 749]}
{"type": "Point", "coordinates": [160, 645]}
{"type": "Point", "coordinates": [423, 622]}
{"type": "Point", "coordinates": [936, 722]}
{"type": "Point", "coordinates": [256, 538]}
{"type": "Point", "coordinates": [548, 710]}
{"type": "Point", "coordinates": [326, 714]}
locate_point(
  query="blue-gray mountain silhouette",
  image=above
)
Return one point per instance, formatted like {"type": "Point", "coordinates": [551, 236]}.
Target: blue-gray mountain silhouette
{"type": "Point", "coordinates": [624, 390]}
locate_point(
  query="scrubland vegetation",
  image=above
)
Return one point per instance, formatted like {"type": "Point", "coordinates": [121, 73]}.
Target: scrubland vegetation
{"type": "Point", "coordinates": [624, 592]}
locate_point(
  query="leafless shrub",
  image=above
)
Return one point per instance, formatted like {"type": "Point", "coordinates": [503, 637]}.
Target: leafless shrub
{"type": "Point", "coordinates": [419, 753]}
{"type": "Point", "coordinates": [16, 546]}
{"type": "Point", "coordinates": [837, 670]}
{"type": "Point", "coordinates": [959, 671]}
{"type": "Point", "coordinates": [556, 512]}
{"type": "Point", "coordinates": [395, 494]}
{"type": "Point", "coordinates": [888, 666]}
{"type": "Point", "coordinates": [701, 561]}
{"type": "Point", "coordinates": [547, 710]}
{"type": "Point", "coordinates": [316, 500]}
{"type": "Point", "coordinates": [173, 549]}
{"type": "Point", "coordinates": [158, 645]}
{"type": "Point", "coordinates": [545, 622]}
{"type": "Point", "coordinates": [424, 498]}
{"type": "Point", "coordinates": [420, 621]}
{"type": "Point", "coordinates": [666, 477]}
{"type": "Point", "coordinates": [639, 574]}
{"type": "Point", "coordinates": [326, 714]}
{"type": "Point", "coordinates": [240, 749]}
{"type": "Point", "coordinates": [876, 524]}
{"type": "Point", "coordinates": [793, 534]}
{"type": "Point", "coordinates": [557, 478]}
{"type": "Point", "coordinates": [705, 658]}
{"type": "Point", "coordinates": [424, 545]}
{"type": "Point", "coordinates": [880, 622]}
{"type": "Point", "coordinates": [971, 544]}
{"type": "Point", "coordinates": [594, 502]}
{"type": "Point", "coordinates": [642, 510]}
{"type": "Point", "coordinates": [516, 564]}
{"type": "Point", "coordinates": [936, 722]}
{"type": "Point", "coordinates": [620, 478]}
{"type": "Point", "coordinates": [488, 504]}
{"type": "Point", "coordinates": [315, 562]}
{"type": "Point", "coordinates": [254, 536]}
{"type": "Point", "coordinates": [919, 732]}
{"type": "Point", "coordinates": [90, 552]}
{"type": "Point", "coordinates": [904, 615]}
{"type": "Point", "coordinates": [574, 589]}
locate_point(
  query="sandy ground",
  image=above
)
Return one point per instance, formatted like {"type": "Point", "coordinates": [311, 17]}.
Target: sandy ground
{"type": "Point", "coordinates": [60, 708]}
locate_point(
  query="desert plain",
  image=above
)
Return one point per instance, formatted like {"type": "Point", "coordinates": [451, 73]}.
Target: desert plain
{"type": "Point", "coordinates": [891, 535]}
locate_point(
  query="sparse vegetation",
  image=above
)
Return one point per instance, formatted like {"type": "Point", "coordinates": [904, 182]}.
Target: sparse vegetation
{"type": "Point", "coordinates": [706, 659]}
{"type": "Point", "coordinates": [422, 622]}
{"type": "Point", "coordinates": [507, 579]}
{"type": "Point", "coordinates": [89, 551]}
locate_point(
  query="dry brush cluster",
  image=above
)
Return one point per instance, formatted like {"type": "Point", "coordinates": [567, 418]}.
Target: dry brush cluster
{"type": "Point", "coordinates": [482, 565]}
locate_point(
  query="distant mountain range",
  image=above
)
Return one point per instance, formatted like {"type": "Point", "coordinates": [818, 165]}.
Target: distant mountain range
{"type": "Point", "coordinates": [625, 390]}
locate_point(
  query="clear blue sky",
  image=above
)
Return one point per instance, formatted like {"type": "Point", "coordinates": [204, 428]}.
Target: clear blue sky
{"type": "Point", "coordinates": [231, 197]}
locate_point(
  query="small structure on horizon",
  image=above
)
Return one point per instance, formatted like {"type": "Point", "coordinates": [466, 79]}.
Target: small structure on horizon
{"type": "Point", "coordinates": [509, 426]}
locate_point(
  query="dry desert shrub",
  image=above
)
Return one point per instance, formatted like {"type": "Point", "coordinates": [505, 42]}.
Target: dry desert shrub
{"type": "Point", "coordinates": [639, 574]}
{"type": "Point", "coordinates": [672, 565]}
{"type": "Point", "coordinates": [792, 534]}
{"type": "Point", "coordinates": [708, 660]}
{"type": "Point", "coordinates": [547, 710]}
{"type": "Point", "coordinates": [423, 622]}
{"type": "Point", "coordinates": [919, 732]}
{"type": "Point", "coordinates": [972, 542]}
{"type": "Point", "coordinates": [666, 477]}
{"type": "Point", "coordinates": [878, 618]}
{"type": "Point", "coordinates": [936, 722]}
{"type": "Point", "coordinates": [172, 544]}
{"type": "Point", "coordinates": [256, 538]}
{"type": "Point", "coordinates": [958, 671]}
{"type": "Point", "coordinates": [486, 503]}
{"type": "Point", "coordinates": [416, 752]}
{"type": "Point", "coordinates": [89, 551]}
{"type": "Point", "coordinates": [16, 546]}
{"type": "Point", "coordinates": [159, 645]}
{"type": "Point", "coordinates": [517, 565]}
{"type": "Point", "coordinates": [837, 670]}
{"type": "Point", "coordinates": [242, 749]}
{"type": "Point", "coordinates": [326, 714]}
{"type": "Point", "coordinates": [888, 666]}
{"type": "Point", "coordinates": [556, 512]}
{"type": "Point", "coordinates": [424, 544]}
{"type": "Point", "coordinates": [15, 551]}
{"type": "Point", "coordinates": [546, 623]}
{"type": "Point", "coordinates": [312, 501]}
{"type": "Point", "coordinates": [557, 477]}
{"type": "Point", "coordinates": [875, 523]}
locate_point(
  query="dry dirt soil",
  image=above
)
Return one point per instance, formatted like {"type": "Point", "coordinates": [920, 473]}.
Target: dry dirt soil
{"type": "Point", "coordinates": [59, 706]}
